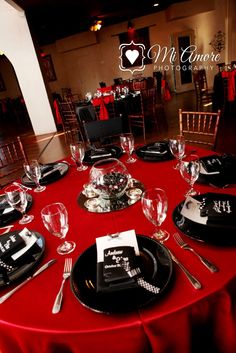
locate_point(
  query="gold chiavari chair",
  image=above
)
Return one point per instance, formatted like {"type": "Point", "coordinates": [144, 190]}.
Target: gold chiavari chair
{"type": "Point", "coordinates": [12, 157]}
{"type": "Point", "coordinates": [199, 127]}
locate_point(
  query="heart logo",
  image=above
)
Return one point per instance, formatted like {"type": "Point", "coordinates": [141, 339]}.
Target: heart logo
{"type": "Point", "coordinates": [132, 55]}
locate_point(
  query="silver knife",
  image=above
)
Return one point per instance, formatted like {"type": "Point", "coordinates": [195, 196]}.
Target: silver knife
{"type": "Point", "coordinates": [41, 269]}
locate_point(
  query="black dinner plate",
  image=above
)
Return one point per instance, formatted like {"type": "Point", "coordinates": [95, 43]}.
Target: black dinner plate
{"type": "Point", "coordinates": [55, 175]}
{"type": "Point", "coordinates": [25, 263]}
{"type": "Point", "coordinates": [107, 152]}
{"type": "Point", "coordinates": [224, 235]}
{"type": "Point", "coordinates": [162, 152]}
{"type": "Point", "coordinates": [11, 216]}
{"type": "Point", "coordinates": [156, 267]}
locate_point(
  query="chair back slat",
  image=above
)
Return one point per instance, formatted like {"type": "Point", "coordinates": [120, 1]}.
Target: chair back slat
{"type": "Point", "coordinates": [199, 127]}
{"type": "Point", "coordinates": [12, 157]}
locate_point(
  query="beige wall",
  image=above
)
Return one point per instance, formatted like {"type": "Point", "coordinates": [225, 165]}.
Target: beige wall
{"type": "Point", "coordinates": [83, 68]}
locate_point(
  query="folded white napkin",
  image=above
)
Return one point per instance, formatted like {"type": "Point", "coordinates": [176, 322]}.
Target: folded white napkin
{"type": "Point", "coordinates": [153, 152]}
{"type": "Point", "coordinates": [94, 156]}
{"type": "Point", "coordinates": [8, 210]}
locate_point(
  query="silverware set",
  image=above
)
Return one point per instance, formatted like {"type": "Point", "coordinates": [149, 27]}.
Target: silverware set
{"type": "Point", "coordinates": [68, 267]}
{"type": "Point", "coordinates": [211, 267]}
{"type": "Point", "coordinates": [208, 264]}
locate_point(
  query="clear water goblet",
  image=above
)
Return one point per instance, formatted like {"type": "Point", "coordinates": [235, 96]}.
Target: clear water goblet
{"type": "Point", "coordinates": [189, 170]}
{"type": "Point", "coordinates": [127, 144]}
{"type": "Point", "coordinates": [154, 205]}
{"type": "Point", "coordinates": [177, 148]}
{"type": "Point", "coordinates": [77, 152]}
{"type": "Point", "coordinates": [33, 172]}
{"type": "Point", "coordinates": [55, 220]}
{"type": "Point", "coordinates": [17, 199]}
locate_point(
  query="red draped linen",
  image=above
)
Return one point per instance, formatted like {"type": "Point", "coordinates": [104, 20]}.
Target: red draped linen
{"type": "Point", "coordinates": [58, 114]}
{"type": "Point", "coordinates": [230, 75]}
{"type": "Point", "coordinates": [183, 320]}
{"type": "Point", "coordinates": [102, 102]}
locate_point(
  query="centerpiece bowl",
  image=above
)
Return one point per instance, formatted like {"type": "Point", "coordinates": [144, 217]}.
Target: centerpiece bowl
{"type": "Point", "coordinates": [109, 178]}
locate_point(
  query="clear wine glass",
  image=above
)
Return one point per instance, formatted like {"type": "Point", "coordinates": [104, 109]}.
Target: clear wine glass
{"type": "Point", "coordinates": [189, 170]}
{"type": "Point", "coordinates": [177, 148]}
{"type": "Point", "coordinates": [33, 172]}
{"type": "Point", "coordinates": [155, 204]}
{"type": "Point", "coordinates": [127, 144]}
{"type": "Point", "coordinates": [17, 198]}
{"type": "Point", "coordinates": [55, 219]}
{"type": "Point", "coordinates": [77, 152]}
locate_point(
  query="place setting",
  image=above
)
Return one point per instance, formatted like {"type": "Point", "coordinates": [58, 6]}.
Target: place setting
{"type": "Point", "coordinates": [218, 170]}
{"type": "Point", "coordinates": [158, 151]}
{"type": "Point", "coordinates": [121, 272]}
{"type": "Point", "coordinates": [20, 253]}
{"type": "Point", "coordinates": [39, 175]}
{"type": "Point", "coordinates": [94, 154]}
{"type": "Point", "coordinates": [206, 217]}
{"type": "Point", "coordinates": [14, 204]}
{"type": "Point", "coordinates": [110, 188]}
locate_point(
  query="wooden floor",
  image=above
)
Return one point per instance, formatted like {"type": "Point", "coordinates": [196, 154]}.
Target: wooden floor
{"type": "Point", "coordinates": [56, 148]}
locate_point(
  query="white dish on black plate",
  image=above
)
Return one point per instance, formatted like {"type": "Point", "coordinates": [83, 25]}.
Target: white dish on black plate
{"type": "Point", "coordinates": [156, 267]}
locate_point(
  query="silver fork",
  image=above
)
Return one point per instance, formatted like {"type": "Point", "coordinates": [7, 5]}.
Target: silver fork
{"type": "Point", "coordinates": [66, 274]}
{"type": "Point", "coordinates": [185, 246]}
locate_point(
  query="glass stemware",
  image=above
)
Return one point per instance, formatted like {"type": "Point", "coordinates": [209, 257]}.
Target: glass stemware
{"type": "Point", "coordinates": [17, 198]}
{"type": "Point", "coordinates": [55, 219]}
{"type": "Point", "coordinates": [127, 144]}
{"type": "Point", "coordinates": [189, 170]}
{"type": "Point", "coordinates": [177, 148]}
{"type": "Point", "coordinates": [77, 152]}
{"type": "Point", "coordinates": [33, 172]}
{"type": "Point", "coordinates": [155, 204]}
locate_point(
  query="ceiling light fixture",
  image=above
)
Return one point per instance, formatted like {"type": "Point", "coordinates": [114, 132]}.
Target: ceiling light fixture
{"type": "Point", "coordinates": [155, 4]}
{"type": "Point", "coordinates": [96, 26]}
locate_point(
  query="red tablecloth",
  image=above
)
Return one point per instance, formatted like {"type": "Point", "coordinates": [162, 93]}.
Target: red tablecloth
{"type": "Point", "coordinates": [184, 320]}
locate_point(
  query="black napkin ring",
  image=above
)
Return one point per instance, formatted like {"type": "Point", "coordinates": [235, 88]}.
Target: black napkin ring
{"type": "Point", "coordinates": [6, 266]}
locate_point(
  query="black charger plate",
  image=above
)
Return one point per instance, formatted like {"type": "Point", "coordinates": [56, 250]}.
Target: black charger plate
{"type": "Point", "coordinates": [215, 235]}
{"type": "Point", "coordinates": [11, 216]}
{"type": "Point", "coordinates": [51, 178]}
{"type": "Point", "coordinates": [114, 151]}
{"type": "Point", "coordinates": [25, 263]}
{"type": "Point", "coordinates": [156, 267]}
{"type": "Point", "coordinates": [141, 152]}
